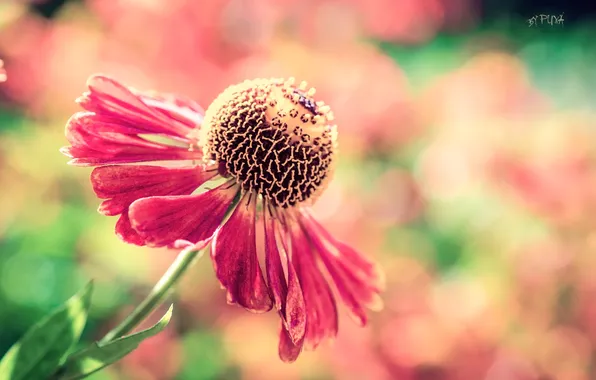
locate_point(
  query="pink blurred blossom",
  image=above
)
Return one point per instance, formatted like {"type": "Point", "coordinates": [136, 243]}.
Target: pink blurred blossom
{"type": "Point", "coordinates": [408, 21]}
{"type": "Point", "coordinates": [369, 93]}
{"type": "Point", "coordinates": [560, 189]}
{"type": "Point", "coordinates": [2, 72]}
{"type": "Point", "coordinates": [489, 85]}
{"type": "Point", "coordinates": [397, 198]}
{"type": "Point", "coordinates": [190, 45]}
{"type": "Point", "coordinates": [24, 62]}
{"type": "Point", "coordinates": [435, 328]}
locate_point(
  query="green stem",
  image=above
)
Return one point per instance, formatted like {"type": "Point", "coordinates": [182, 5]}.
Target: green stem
{"type": "Point", "coordinates": [158, 294]}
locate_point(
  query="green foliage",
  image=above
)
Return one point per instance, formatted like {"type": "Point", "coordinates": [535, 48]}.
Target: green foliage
{"type": "Point", "coordinates": [98, 356]}
{"type": "Point", "coordinates": [43, 353]}
{"type": "Point", "coordinates": [47, 343]}
{"type": "Point", "coordinates": [11, 120]}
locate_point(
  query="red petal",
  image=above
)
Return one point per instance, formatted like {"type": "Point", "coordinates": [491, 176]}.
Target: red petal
{"type": "Point", "coordinates": [275, 272]}
{"type": "Point", "coordinates": [288, 297]}
{"type": "Point", "coordinates": [352, 259]}
{"type": "Point", "coordinates": [185, 110]}
{"type": "Point", "coordinates": [98, 140]}
{"type": "Point", "coordinates": [234, 254]}
{"type": "Point", "coordinates": [186, 245]}
{"type": "Point", "coordinates": [109, 97]}
{"type": "Point", "coordinates": [288, 350]}
{"type": "Point", "coordinates": [125, 231]}
{"type": "Point", "coordinates": [321, 310]}
{"type": "Point", "coordinates": [358, 288]}
{"type": "Point", "coordinates": [122, 185]}
{"type": "Point", "coordinates": [163, 220]}
{"type": "Point", "coordinates": [354, 292]}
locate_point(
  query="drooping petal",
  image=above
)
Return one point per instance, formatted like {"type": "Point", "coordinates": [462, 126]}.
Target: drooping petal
{"type": "Point", "coordinates": [288, 349]}
{"type": "Point", "coordinates": [121, 185]}
{"type": "Point", "coordinates": [358, 287]}
{"type": "Point", "coordinates": [287, 295]}
{"type": "Point", "coordinates": [99, 140]}
{"type": "Point", "coordinates": [234, 254]}
{"type": "Point", "coordinates": [125, 231]}
{"type": "Point", "coordinates": [349, 257]}
{"type": "Point", "coordinates": [164, 219]}
{"type": "Point", "coordinates": [321, 310]}
{"type": "Point", "coordinates": [275, 271]}
{"type": "Point", "coordinates": [355, 292]}
{"type": "Point", "coordinates": [109, 97]}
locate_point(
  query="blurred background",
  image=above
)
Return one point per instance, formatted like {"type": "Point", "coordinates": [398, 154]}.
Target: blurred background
{"type": "Point", "coordinates": [467, 168]}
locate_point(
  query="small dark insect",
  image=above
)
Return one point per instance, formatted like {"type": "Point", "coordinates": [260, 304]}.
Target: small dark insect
{"type": "Point", "coordinates": [307, 103]}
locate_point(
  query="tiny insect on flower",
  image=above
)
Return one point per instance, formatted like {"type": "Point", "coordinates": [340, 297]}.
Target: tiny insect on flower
{"type": "Point", "coordinates": [272, 148]}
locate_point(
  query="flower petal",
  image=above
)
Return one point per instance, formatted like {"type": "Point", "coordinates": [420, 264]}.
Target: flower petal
{"type": "Point", "coordinates": [234, 254]}
{"type": "Point", "coordinates": [98, 140]}
{"type": "Point", "coordinates": [122, 185]}
{"type": "Point", "coordinates": [357, 288]}
{"type": "Point", "coordinates": [288, 350]}
{"type": "Point", "coordinates": [185, 110]}
{"type": "Point", "coordinates": [349, 257]}
{"type": "Point", "coordinates": [288, 297]}
{"type": "Point", "coordinates": [163, 220]}
{"type": "Point", "coordinates": [186, 246]}
{"type": "Point", "coordinates": [109, 97]}
{"type": "Point", "coordinates": [321, 310]}
{"type": "Point", "coordinates": [354, 292]}
{"type": "Point", "coordinates": [125, 231]}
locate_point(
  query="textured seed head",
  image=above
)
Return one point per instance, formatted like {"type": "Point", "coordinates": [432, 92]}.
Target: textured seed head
{"type": "Point", "coordinates": [273, 138]}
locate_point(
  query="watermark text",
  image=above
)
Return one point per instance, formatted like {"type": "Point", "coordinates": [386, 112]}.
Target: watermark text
{"type": "Point", "coordinates": [542, 19]}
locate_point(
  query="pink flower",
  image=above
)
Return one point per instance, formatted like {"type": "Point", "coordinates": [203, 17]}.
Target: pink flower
{"type": "Point", "coordinates": [558, 189]}
{"type": "Point", "coordinates": [269, 148]}
{"type": "Point", "coordinates": [2, 72]}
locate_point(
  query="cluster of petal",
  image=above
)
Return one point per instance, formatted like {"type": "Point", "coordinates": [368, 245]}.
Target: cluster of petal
{"type": "Point", "coordinates": [133, 139]}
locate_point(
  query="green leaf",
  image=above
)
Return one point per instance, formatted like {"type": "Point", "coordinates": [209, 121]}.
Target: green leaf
{"type": "Point", "coordinates": [46, 345]}
{"type": "Point", "coordinates": [97, 357]}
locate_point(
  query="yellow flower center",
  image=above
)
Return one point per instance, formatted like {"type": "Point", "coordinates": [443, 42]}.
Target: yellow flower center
{"type": "Point", "coordinates": [273, 138]}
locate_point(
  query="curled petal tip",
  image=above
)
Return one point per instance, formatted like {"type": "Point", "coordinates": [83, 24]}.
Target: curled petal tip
{"type": "Point", "coordinates": [181, 243]}
{"type": "Point", "coordinates": [358, 316]}
{"type": "Point", "coordinates": [187, 245]}
{"type": "Point", "coordinates": [94, 78]}
{"type": "Point", "coordinates": [288, 350]}
{"type": "Point", "coordinates": [65, 151]}
{"type": "Point", "coordinates": [82, 99]}
{"type": "Point", "coordinates": [376, 303]}
{"type": "Point", "coordinates": [257, 306]}
{"type": "Point", "coordinates": [380, 278]}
